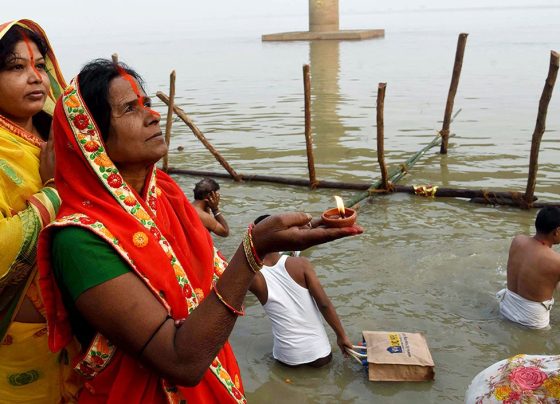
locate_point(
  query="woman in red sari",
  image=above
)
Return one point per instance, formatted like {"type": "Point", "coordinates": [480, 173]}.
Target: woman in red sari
{"type": "Point", "coordinates": [128, 266]}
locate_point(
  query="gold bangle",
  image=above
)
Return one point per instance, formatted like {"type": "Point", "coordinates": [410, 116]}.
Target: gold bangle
{"type": "Point", "coordinates": [47, 182]}
{"type": "Point", "coordinates": [229, 306]}
{"type": "Point", "coordinates": [255, 267]}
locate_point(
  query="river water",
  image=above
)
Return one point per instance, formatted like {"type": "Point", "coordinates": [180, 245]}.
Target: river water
{"type": "Point", "coordinates": [422, 265]}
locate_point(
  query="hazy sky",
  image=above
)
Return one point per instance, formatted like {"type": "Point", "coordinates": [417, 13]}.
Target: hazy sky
{"type": "Point", "coordinates": [69, 18]}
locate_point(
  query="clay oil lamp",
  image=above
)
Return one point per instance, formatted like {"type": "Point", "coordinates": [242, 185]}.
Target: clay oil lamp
{"type": "Point", "coordinates": [339, 216]}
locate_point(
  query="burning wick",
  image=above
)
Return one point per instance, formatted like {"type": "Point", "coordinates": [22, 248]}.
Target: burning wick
{"type": "Point", "coordinates": [340, 206]}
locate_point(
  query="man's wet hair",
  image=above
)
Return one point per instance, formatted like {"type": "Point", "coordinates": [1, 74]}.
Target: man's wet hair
{"type": "Point", "coordinates": [204, 187]}
{"type": "Point", "coordinates": [10, 40]}
{"type": "Point", "coordinates": [94, 80]}
{"type": "Point", "coordinates": [260, 219]}
{"type": "Point", "coordinates": [548, 219]}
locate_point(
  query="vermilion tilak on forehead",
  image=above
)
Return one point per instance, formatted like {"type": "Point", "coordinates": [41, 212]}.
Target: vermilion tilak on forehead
{"type": "Point", "coordinates": [136, 90]}
{"type": "Point", "coordinates": [31, 57]}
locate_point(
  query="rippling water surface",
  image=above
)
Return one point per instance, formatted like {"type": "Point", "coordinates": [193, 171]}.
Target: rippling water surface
{"type": "Point", "coordinates": [424, 265]}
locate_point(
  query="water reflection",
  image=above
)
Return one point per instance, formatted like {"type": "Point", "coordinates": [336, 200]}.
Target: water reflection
{"type": "Point", "coordinates": [327, 126]}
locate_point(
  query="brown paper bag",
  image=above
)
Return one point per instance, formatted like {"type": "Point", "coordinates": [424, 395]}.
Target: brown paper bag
{"type": "Point", "coordinates": [398, 356]}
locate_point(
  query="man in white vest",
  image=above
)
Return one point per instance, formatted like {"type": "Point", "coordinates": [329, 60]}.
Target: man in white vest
{"type": "Point", "coordinates": [293, 299]}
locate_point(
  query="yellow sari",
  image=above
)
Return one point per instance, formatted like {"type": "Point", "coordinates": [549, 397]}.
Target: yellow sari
{"type": "Point", "coordinates": [29, 372]}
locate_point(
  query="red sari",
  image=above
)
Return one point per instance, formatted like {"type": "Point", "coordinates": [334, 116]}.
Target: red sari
{"type": "Point", "coordinates": [163, 241]}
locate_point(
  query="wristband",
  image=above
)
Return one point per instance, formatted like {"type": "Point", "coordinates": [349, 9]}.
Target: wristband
{"type": "Point", "coordinates": [217, 214]}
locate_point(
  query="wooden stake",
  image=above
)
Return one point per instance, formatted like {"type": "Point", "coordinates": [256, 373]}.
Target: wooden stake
{"type": "Point", "coordinates": [169, 120]}
{"type": "Point", "coordinates": [380, 135]}
{"type": "Point", "coordinates": [540, 126]}
{"type": "Point", "coordinates": [308, 136]}
{"type": "Point", "coordinates": [461, 42]}
{"type": "Point", "coordinates": [185, 118]}
{"type": "Point", "coordinates": [115, 58]}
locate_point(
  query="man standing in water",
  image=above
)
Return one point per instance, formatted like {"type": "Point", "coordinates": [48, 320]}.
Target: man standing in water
{"type": "Point", "coordinates": [207, 205]}
{"type": "Point", "coordinates": [533, 271]}
{"type": "Point", "coordinates": [292, 297]}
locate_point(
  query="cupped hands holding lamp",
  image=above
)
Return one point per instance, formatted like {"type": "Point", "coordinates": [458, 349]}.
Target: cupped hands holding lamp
{"type": "Point", "coordinates": [128, 265]}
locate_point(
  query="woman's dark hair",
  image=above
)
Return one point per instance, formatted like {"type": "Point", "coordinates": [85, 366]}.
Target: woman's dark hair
{"type": "Point", "coordinates": [94, 80]}
{"type": "Point", "coordinates": [547, 219]}
{"type": "Point", "coordinates": [12, 37]}
{"type": "Point", "coordinates": [204, 187]}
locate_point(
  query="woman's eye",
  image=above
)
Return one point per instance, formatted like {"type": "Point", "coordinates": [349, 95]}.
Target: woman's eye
{"type": "Point", "coordinates": [17, 66]}
{"type": "Point", "coordinates": [129, 108]}
{"type": "Point", "coordinates": [41, 66]}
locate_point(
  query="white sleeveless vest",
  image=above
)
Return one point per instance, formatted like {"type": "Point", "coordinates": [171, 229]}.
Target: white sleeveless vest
{"type": "Point", "coordinates": [297, 327]}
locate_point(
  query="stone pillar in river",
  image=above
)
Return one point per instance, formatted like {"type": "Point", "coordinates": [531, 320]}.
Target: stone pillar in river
{"type": "Point", "coordinates": [323, 24]}
{"type": "Point", "coordinates": [323, 15]}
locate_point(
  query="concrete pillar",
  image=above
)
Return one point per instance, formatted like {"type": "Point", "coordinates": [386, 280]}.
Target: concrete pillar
{"type": "Point", "coordinates": [323, 15]}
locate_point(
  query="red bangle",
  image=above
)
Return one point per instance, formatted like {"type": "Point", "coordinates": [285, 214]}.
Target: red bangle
{"type": "Point", "coordinates": [221, 299]}
{"type": "Point", "coordinates": [253, 250]}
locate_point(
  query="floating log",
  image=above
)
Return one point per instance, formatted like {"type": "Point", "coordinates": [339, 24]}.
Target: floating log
{"type": "Point", "coordinates": [169, 120]}
{"type": "Point", "coordinates": [458, 65]}
{"type": "Point", "coordinates": [185, 118]}
{"type": "Point", "coordinates": [276, 180]}
{"type": "Point", "coordinates": [115, 58]}
{"type": "Point", "coordinates": [308, 136]}
{"type": "Point", "coordinates": [516, 202]}
{"type": "Point", "coordinates": [435, 191]}
{"type": "Point", "coordinates": [380, 135]}
{"type": "Point", "coordinates": [540, 126]}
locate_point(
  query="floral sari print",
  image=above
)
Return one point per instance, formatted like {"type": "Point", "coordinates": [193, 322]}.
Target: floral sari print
{"type": "Point", "coordinates": [161, 238]}
{"type": "Point", "coordinates": [519, 379]}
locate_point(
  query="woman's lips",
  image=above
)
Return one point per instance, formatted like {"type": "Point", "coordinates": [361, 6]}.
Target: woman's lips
{"type": "Point", "coordinates": [154, 136]}
{"type": "Point", "coordinates": [36, 95]}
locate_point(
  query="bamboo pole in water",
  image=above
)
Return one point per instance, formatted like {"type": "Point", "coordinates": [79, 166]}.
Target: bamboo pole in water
{"type": "Point", "coordinates": [380, 135]}
{"type": "Point", "coordinates": [169, 120]}
{"type": "Point", "coordinates": [458, 65]}
{"type": "Point", "coordinates": [397, 173]}
{"type": "Point", "coordinates": [308, 135]}
{"type": "Point", "coordinates": [185, 118]}
{"type": "Point", "coordinates": [540, 126]}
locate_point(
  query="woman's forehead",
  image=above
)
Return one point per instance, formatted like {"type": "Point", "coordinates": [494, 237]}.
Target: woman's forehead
{"type": "Point", "coordinates": [120, 89]}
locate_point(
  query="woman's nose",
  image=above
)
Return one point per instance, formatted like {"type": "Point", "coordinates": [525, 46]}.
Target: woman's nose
{"type": "Point", "coordinates": [152, 117]}
{"type": "Point", "coordinates": [34, 75]}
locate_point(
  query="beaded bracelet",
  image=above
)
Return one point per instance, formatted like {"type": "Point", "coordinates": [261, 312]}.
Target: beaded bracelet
{"type": "Point", "coordinates": [249, 255]}
{"type": "Point", "coordinates": [48, 182]}
{"type": "Point", "coordinates": [221, 299]}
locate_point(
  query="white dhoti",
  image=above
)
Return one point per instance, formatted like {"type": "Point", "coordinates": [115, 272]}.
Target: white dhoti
{"type": "Point", "coordinates": [523, 311]}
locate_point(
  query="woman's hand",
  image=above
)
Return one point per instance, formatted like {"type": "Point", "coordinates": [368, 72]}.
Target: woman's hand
{"type": "Point", "coordinates": [289, 231]}
{"type": "Point", "coordinates": [47, 160]}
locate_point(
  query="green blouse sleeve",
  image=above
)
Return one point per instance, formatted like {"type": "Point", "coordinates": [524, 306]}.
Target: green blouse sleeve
{"type": "Point", "coordinates": [82, 260]}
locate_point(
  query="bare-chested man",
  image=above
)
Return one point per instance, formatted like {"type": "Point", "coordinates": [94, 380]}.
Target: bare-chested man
{"type": "Point", "coordinates": [533, 271]}
{"type": "Point", "coordinates": [207, 205]}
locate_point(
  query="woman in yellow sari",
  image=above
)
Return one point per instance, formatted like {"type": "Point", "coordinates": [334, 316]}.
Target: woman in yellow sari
{"type": "Point", "coordinates": [30, 83]}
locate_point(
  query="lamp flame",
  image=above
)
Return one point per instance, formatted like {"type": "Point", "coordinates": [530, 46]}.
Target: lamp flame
{"type": "Point", "coordinates": [340, 206]}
